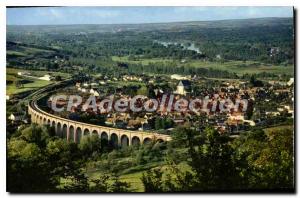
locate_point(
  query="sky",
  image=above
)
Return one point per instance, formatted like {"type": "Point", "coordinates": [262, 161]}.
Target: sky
{"type": "Point", "coordinates": [129, 15]}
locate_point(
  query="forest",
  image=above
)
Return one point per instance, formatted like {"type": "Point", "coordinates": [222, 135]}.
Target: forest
{"type": "Point", "coordinates": [260, 160]}
{"type": "Point", "coordinates": [250, 43]}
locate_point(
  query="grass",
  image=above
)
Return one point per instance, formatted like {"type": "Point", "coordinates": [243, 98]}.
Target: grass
{"type": "Point", "coordinates": [11, 75]}
{"type": "Point", "coordinates": [24, 51]}
{"type": "Point", "coordinates": [241, 67]}
{"type": "Point", "coordinates": [134, 179]}
{"type": "Point", "coordinates": [33, 50]}
{"type": "Point", "coordinates": [15, 53]}
{"type": "Point", "coordinates": [12, 89]}
{"type": "Point", "coordinates": [141, 61]}
{"type": "Point", "coordinates": [131, 175]}
{"type": "Point", "coordinates": [277, 128]}
{"type": "Point", "coordinates": [13, 71]}
{"type": "Point", "coordinates": [238, 67]}
{"type": "Point", "coordinates": [134, 174]}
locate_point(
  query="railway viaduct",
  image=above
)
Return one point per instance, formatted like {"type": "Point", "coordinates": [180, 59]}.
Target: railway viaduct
{"type": "Point", "coordinates": [74, 131]}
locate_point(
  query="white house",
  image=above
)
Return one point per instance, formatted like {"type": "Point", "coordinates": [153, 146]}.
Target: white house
{"type": "Point", "coordinates": [156, 91]}
{"type": "Point", "coordinates": [94, 92]}
{"type": "Point", "coordinates": [46, 77]}
{"type": "Point", "coordinates": [251, 122]}
{"type": "Point", "coordinates": [23, 73]}
{"type": "Point", "coordinates": [78, 84]}
{"type": "Point", "coordinates": [179, 77]}
{"type": "Point", "coordinates": [290, 82]}
{"type": "Point", "coordinates": [272, 113]}
{"type": "Point", "coordinates": [94, 84]}
{"type": "Point", "coordinates": [16, 117]}
{"type": "Point", "coordinates": [230, 87]}
{"type": "Point", "coordinates": [236, 117]}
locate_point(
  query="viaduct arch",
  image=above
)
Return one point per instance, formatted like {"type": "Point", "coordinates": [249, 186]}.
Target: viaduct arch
{"type": "Point", "coordinates": [74, 131]}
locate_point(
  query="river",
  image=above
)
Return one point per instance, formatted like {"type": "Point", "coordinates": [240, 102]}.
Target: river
{"type": "Point", "coordinates": [190, 47]}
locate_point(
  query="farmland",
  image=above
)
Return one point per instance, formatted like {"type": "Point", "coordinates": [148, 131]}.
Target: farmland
{"type": "Point", "coordinates": [238, 67]}
{"type": "Point", "coordinates": [33, 83]}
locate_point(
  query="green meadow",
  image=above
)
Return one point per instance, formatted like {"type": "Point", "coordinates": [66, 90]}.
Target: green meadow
{"type": "Point", "coordinates": [238, 67]}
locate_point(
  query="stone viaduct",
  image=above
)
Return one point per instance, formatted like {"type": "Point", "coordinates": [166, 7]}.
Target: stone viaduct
{"type": "Point", "coordinates": [74, 131]}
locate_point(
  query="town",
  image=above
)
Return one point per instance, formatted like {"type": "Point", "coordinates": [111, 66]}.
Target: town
{"type": "Point", "coordinates": [232, 122]}
{"type": "Point", "coordinates": [195, 106]}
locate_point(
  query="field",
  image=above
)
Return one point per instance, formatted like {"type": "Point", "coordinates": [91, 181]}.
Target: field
{"type": "Point", "coordinates": [278, 128]}
{"type": "Point", "coordinates": [12, 76]}
{"type": "Point", "coordinates": [142, 60]}
{"type": "Point", "coordinates": [241, 67]}
{"type": "Point", "coordinates": [18, 50]}
{"type": "Point", "coordinates": [238, 67]}
{"type": "Point", "coordinates": [134, 174]}
{"type": "Point", "coordinates": [134, 179]}
{"type": "Point", "coordinates": [26, 51]}
{"type": "Point", "coordinates": [15, 53]}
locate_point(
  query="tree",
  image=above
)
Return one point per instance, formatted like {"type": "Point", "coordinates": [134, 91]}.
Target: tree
{"type": "Point", "coordinates": [158, 123]}
{"type": "Point", "coordinates": [37, 162]}
{"type": "Point", "coordinates": [214, 163]}
{"type": "Point", "coordinates": [89, 145]}
{"type": "Point", "coordinates": [267, 158]}
{"type": "Point", "coordinates": [210, 158]}
{"type": "Point", "coordinates": [142, 91]}
{"type": "Point", "coordinates": [58, 78]}
{"type": "Point", "coordinates": [118, 186]}
{"type": "Point", "coordinates": [28, 167]}
{"type": "Point", "coordinates": [153, 181]}
{"type": "Point", "coordinates": [19, 84]}
{"type": "Point", "coordinates": [100, 185]}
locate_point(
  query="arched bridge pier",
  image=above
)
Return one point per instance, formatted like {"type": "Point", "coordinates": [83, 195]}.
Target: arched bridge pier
{"type": "Point", "coordinates": [74, 131]}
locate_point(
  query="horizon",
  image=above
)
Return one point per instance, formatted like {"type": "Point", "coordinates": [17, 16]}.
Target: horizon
{"type": "Point", "coordinates": [149, 23]}
{"type": "Point", "coordinates": [132, 15]}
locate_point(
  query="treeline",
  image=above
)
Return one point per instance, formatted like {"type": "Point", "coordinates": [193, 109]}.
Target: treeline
{"type": "Point", "coordinates": [107, 66]}
{"type": "Point", "coordinates": [161, 68]}
{"type": "Point", "coordinates": [266, 41]}
{"type": "Point", "coordinates": [39, 162]}
{"type": "Point", "coordinates": [256, 161]}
